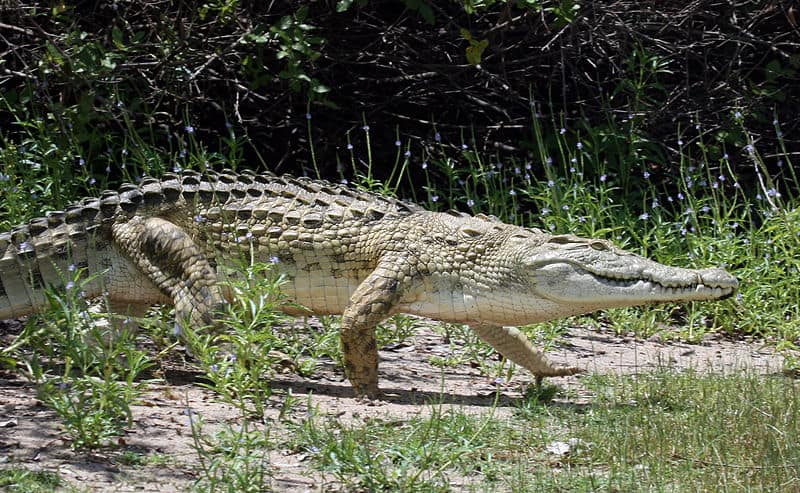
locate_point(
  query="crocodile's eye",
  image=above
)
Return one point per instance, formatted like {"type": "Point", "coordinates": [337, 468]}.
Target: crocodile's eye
{"type": "Point", "coordinates": [599, 246]}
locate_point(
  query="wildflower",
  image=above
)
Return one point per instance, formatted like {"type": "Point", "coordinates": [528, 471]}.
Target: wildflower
{"type": "Point", "coordinates": [644, 216]}
{"type": "Point", "coordinates": [407, 154]}
{"type": "Point", "coordinates": [434, 198]}
{"type": "Point", "coordinates": [349, 147]}
{"type": "Point", "coordinates": [189, 129]}
{"type": "Point", "coordinates": [579, 145]}
{"type": "Point", "coordinates": [424, 165]}
{"type": "Point", "coordinates": [183, 153]}
{"type": "Point", "coordinates": [365, 128]}
{"type": "Point", "coordinates": [528, 166]}
{"type": "Point", "coordinates": [548, 161]}
{"type": "Point", "coordinates": [749, 148]}
{"type": "Point", "coordinates": [545, 211]}
{"type": "Point", "coordinates": [343, 181]}
{"type": "Point", "coordinates": [437, 137]}
{"type": "Point", "coordinates": [683, 231]}
{"type": "Point", "coordinates": [228, 125]}
{"type": "Point", "coordinates": [565, 207]}
{"type": "Point", "coordinates": [680, 142]}
{"type": "Point", "coordinates": [199, 219]}
{"type": "Point", "coordinates": [176, 169]}
{"type": "Point", "coordinates": [551, 183]}
{"type": "Point", "coordinates": [780, 163]}
{"type": "Point", "coordinates": [397, 143]}
{"type": "Point", "coordinates": [308, 116]}
{"type": "Point", "coordinates": [573, 160]}
{"type": "Point", "coordinates": [737, 115]}
{"type": "Point", "coordinates": [646, 175]}
{"type": "Point", "coordinates": [70, 286]}
{"type": "Point", "coordinates": [499, 381]}
{"type": "Point", "coordinates": [124, 151]}
{"type": "Point", "coordinates": [572, 169]}
{"type": "Point", "coordinates": [669, 198]}
{"type": "Point", "coordinates": [725, 156]}
{"type": "Point", "coordinates": [721, 178]}
{"type": "Point", "coordinates": [512, 192]}
{"type": "Point", "coordinates": [562, 131]}
{"type": "Point", "coordinates": [603, 178]}
{"type": "Point", "coordinates": [551, 227]}
{"type": "Point", "coordinates": [81, 162]}
{"type": "Point", "coordinates": [705, 208]}
{"type": "Point", "coordinates": [680, 196]}
{"type": "Point", "coordinates": [214, 368]}
{"type": "Point", "coordinates": [517, 170]}
{"type": "Point", "coordinates": [24, 246]}
{"type": "Point", "coordinates": [470, 203]}
{"type": "Point", "coordinates": [582, 219]}
{"type": "Point", "coordinates": [654, 204]}
{"type": "Point", "coordinates": [274, 260]}
{"type": "Point", "coordinates": [464, 147]}
{"type": "Point", "coordinates": [71, 268]}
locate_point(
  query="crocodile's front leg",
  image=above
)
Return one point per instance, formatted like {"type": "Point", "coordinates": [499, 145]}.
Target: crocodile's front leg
{"type": "Point", "coordinates": [513, 344]}
{"type": "Point", "coordinates": [174, 263]}
{"type": "Point", "coordinates": [371, 303]}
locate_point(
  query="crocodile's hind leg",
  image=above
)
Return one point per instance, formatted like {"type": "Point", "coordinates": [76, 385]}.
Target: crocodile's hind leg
{"type": "Point", "coordinates": [513, 344]}
{"type": "Point", "coordinates": [371, 303]}
{"type": "Point", "coordinates": [176, 265]}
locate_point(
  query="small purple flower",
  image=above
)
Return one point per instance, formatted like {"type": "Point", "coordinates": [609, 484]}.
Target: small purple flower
{"type": "Point", "coordinates": [646, 175]}
{"type": "Point", "coordinates": [407, 154]}
{"type": "Point", "coordinates": [365, 128]}
{"type": "Point", "coordinates": [680, 196]}
{"type": "Point", "coordinates": [434, 198]}
{"type": "Point", "coordinates": [274, 260]}
{"type": "Point", "coordinates": [644, 216]}
{"type": "Point", "coordinates": [199, 219]}
{"type": "Point", "coordinates": [551, 183]}
{"type": "Point", "coordinates": [603, 178]}
{"type": "Point", "coordinates": [308, 116]}
{"type": "Point", "coordinates": [70, 286]}
{"type": "Point", "coordinates": [424, 165]}
{"type": "Point", "coordinates": [737, 115]}
{"type": "Point", "coordinates": [470, 203]}
{"type": "Point", "coordinates": [189, 129]}
{"type": "Point", "coordinates": [24, 246]}
{"type": "Point", "coordinates": [562, 131]}
{"type": "Point", "coordinates": [579, 145]}
{"type": "Point", "coordinates": [71, 267]}
{"type": "Point", "coordinates": [545, 211]}
{"type": "Point", "coordinates": [464, 147]}
{"type": "Point", "coordinates": [81, 162]}
{"type": "Point", "coordinates": [749, 148]}
{"type": "Point", "coordinates": [725, 156]}
{"type": "Point", "coordinates": [680, 142]}
{"type": "Point", "coordinates": [437, 137]}
{"type": "Point", "coordinates": [548, 161]}
{"type": "Point", "coordinates": [397, 143]}
{"type": "Point", "coordinates": [512, 192]}
{"type": "Point", "coordinates": [349, 147]}
{"type": "Point", "coordinates": [565, 207]}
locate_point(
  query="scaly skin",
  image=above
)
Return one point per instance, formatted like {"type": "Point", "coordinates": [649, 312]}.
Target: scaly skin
{"type": "Point", "coordinates": [344, 251]}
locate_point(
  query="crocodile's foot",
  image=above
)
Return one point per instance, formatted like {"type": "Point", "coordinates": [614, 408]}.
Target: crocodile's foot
{"type": "Point", "coordinates": [367, 392]}
{"type": "Point", "coordinates": [557, 371]}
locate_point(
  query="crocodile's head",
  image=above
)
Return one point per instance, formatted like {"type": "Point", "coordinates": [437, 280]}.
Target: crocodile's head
{"type": "Point", "coordinates": [592, 274]}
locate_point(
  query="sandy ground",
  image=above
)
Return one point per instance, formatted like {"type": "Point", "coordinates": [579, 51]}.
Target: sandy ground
{"type": "Point", "coordinates": [30, 435]}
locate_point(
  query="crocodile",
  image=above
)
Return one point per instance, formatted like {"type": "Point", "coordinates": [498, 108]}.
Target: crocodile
{"type": "Point", "coordinates": [343, 251]}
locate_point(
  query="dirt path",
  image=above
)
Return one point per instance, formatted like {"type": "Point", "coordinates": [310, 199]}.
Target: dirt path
{"type": "Point", "coordinates": [30, 435]}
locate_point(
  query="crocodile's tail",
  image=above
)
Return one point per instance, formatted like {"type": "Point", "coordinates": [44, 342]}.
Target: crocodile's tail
{"type": "Point", "coordinates": [54, 249]}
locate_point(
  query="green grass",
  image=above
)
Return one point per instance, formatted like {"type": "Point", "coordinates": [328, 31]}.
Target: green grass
{"type": "Point", "coordinates": [19, 480]}
{"type": "Point", "coordinates": [653, 432]}
{"type": "Point", "coordinates": [664, 431]}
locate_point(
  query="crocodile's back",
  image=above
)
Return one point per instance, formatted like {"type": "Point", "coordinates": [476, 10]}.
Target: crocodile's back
{"type": "Point", "coordinates": [307, 226]}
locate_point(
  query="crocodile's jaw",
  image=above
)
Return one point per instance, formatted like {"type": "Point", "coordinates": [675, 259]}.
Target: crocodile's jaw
{"type": "Point", "coordinates": [597, 274]}
{"type": "Point", "coordinates": [566, 283]}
